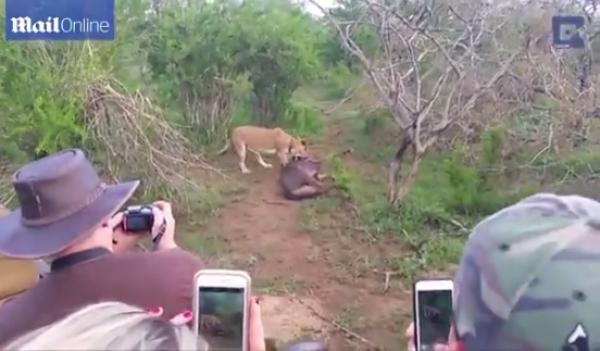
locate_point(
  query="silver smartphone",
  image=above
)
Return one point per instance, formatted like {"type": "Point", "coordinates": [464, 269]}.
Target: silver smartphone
{"type": "Point", "coordinates": [221, 304]}
{"type": "Point", "coordinates": [432, 312]}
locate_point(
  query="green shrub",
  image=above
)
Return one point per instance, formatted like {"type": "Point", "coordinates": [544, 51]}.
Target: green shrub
{"type": "Point", "coordinates": [303, 120]}
{"type": "Point", "coordinates": [474, 191]}
{"type": "Point", "coordinates": [337, 80]}
{"type": "Point", "coordinates": [345, 180]}
{"type": "Point", "coordinates": [43, 92]}
{"type": "Point", "coordinates": [491, 146]}
{"type": "Point", "coordinates": [196, 51]}
{"type": "Point", "coordinates": [375, 122]}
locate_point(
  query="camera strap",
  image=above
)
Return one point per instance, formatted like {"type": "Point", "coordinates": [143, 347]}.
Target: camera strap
{"type": "Point", "coordinates": [161, 231]}
{"type": "Point", "coordinates": [78, 257]}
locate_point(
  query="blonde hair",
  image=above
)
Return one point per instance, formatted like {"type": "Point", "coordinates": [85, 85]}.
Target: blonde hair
{"type": "Point", "coordinates": [110, 326]}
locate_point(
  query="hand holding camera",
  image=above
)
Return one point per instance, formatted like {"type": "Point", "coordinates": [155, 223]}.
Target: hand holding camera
{"type": "Point", "coordinates": [130, 226]}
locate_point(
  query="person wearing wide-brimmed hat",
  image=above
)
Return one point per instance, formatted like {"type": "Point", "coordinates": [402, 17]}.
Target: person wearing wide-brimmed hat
{"type": "Point", "coordinates": [70, 218]}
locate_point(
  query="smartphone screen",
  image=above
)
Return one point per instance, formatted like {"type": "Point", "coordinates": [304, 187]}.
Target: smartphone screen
{"type": "Point", "coordinates": [435, 312]}
{"type": "Point", "coordinates": [221, 317]}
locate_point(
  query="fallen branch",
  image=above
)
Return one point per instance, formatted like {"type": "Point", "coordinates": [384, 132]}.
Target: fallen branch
{"type": "Point", "coordinates": [349, 334]}
{"type": "Point", "coordinates": [349, 94]}
{"type": "Point", "coordinates": [457, 224]}
{"type": "Point", "coordinates": [546, 148]}
{"type": "Point", "coordinates": [278, 203]}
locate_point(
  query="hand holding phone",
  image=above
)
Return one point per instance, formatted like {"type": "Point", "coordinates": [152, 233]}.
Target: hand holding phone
{"type": "Point", "coordinates": [432, 301]}
{"type": "Point", "coordinates": [221, 304]}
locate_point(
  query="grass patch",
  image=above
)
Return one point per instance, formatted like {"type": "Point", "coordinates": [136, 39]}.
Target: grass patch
{"type": "Point", "coordinates": [580, 162]}
{"type": "Point", "coordinates": [311, 213]}
{"type": "Point", "coordinates": [280, 286]}
{"type": "Point", "coordinates": [350, 318]}
{"type": "Point", "coordinates": [191, 229]}
{"type": "Point", "coordinates": [203, 243]}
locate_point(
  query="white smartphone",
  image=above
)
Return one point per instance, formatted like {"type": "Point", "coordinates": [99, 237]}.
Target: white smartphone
{"type": "Point", "coordinates": [221, 302]}
{"type": "Point", "coordinates": [432, 312]}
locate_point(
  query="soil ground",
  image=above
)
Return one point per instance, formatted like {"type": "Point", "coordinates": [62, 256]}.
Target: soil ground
{"type": "Point", "coordinates": [317, 285]}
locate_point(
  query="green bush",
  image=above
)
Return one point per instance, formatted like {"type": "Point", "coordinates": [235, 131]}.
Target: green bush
{"type": "Point", "coordinates": [375, 122]}
{"type": "Point", "coordinates": [448, 188]}
{"type": "Point", "coordinates": [345, 180]}
{"type": "Point", "coordinates": [474, 191]}
{"type": "Point", "coordinates": [303, 120]}
{"type": "Point", "coordinates": [43, 86]}
{"type": "Point", "coordinates": [43, 93]}
{"type": "Point", "coordinates": [197, 51]}
{"type": "Point", "coordinates": [337, 80]}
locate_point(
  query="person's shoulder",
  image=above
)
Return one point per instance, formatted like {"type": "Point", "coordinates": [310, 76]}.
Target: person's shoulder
{"type": "Point", "coordinates": [23, 303]}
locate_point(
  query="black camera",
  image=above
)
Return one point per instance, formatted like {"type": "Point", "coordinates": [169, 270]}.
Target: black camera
{"type": "Point", "coordinates": [138, 219]}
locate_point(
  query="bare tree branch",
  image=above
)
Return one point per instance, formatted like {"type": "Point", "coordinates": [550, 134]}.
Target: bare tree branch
{"type": "Point", "coordinates": [427, 54]}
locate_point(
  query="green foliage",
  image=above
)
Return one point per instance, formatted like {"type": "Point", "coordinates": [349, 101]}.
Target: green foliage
{"type": "Point", "coordinates": [467, 184]}
{"type": "Point", "coordinates": [491, 146]}
{"type": "Point", "coordinates": [374, 135]}
{"type": "Point", "coordinates": [241, 112]}
{"type": "Point", "coordinates": [375, 122]}
{"type": "Point", "coordinates": [191, 63]}
{"type": "Point", "coordinates": [44, 85]}
{"type": "Point", "coordinates": [331, 51]}
{"type": "Point", "coordinates": [278, 50]}
{"type": "Point", "coordinates": [474, 191]}
{"type": "Point", "coordinates": [197, 52]}
{"type": "Point", "coordinates": [42, 94]}
{"type": "Point", "coordinates": [302, 119]}
{"type": "Point", "coordinates": [345, 180]}
{"type": "Point", "coordinates": [366, 38]}
{"type": "Point", "coordinates": [337, 80]}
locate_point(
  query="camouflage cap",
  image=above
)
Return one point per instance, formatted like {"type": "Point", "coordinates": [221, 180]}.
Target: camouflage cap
{"type": "Point", "coordinates": [529, 278]}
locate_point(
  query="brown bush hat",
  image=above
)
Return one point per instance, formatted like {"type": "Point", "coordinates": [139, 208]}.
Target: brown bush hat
{"type": "Point", "coordinates": [61, 199]}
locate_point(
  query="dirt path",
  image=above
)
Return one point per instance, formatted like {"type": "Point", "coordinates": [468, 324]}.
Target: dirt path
{"type": "Point", "coordinates": [261, 231]}
{"type": "Point", "coordinates": [264, 236]}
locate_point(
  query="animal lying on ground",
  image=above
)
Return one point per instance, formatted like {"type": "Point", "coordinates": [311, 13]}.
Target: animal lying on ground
{"type": "Point", "coordinates": [266, 141]}
{"type": "Point", "coordinates": [300, 179]}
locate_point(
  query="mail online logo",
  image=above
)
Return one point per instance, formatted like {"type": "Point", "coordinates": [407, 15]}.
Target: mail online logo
{"type": "Point", "coordinates": [60, 19]}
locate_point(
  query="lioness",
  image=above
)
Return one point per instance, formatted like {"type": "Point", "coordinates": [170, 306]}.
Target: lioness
{"type": "Point", "coordinates": [300, 179]}
{"type": "Point", "coordinates": [263, 140]}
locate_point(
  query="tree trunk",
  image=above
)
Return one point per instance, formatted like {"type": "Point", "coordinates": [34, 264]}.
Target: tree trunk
{"type": "Point", "coordinates": [394, 170]}
{"type": "Point", "coordinates": [410, 179]}
{"type": "Point", "coordinates": [397, 192]}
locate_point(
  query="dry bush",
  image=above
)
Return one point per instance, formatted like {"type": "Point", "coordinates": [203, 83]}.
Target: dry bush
{"type": "Point", "coordinates": [134, 140]}
{"type": "Point", "coordinates": [130, 138]}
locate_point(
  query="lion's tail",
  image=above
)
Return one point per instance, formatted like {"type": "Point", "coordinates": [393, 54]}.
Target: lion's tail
{"type": "Point", "coordinates": [224, 149]}
{"type": "Point", "coordinates": [227, 144]}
